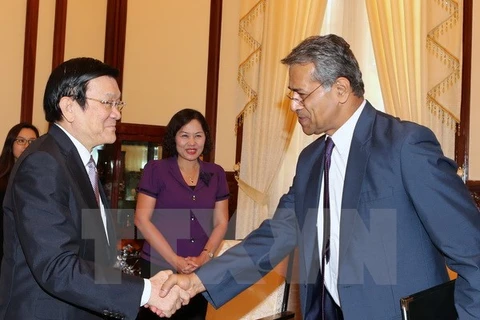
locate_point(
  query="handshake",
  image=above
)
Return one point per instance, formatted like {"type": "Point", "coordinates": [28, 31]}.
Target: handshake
{"type": "Point", "coordinates": [172, 291]}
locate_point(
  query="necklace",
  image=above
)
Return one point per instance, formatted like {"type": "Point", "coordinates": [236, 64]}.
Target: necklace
{"type": "Point", "coordinates": [190, 175]}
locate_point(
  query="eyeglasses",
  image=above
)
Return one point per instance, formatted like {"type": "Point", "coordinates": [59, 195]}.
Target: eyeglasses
{"type": "Point", "coordinates": [111, 103]}
{"type": "Point", "coordinates": [300, 101]}
{"type": "Point", "coordinates": [22, 141]}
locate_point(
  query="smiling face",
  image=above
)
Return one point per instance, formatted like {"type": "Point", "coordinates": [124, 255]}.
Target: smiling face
{"type": "Point", "coordinates": [320, 111]}
{"type": "Point", "coordinates": [95, 124]}
{"type": "Point", "coordinates": [190, 140]}
{"type": "Point", "coordinates": [24, 134]}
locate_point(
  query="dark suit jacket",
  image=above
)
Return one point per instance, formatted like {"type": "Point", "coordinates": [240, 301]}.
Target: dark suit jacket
{"type": "Point", "coordinates": [405, 212]}
{"type": "Point", "coordinates": [58, 263]}
{"type": "Point", "coordinates": [2, 196]}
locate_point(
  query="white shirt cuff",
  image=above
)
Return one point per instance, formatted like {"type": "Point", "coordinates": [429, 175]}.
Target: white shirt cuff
{"type": "Point", "coordinates": [147, 291]}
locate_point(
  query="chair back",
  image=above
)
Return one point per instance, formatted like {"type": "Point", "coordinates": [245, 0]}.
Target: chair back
{"type": "Point", "coordinates": [266, 297]}
{"type": "Point", "coordinates": [436, 303]}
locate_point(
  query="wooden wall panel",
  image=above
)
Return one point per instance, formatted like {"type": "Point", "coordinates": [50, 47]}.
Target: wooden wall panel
{"type": "Point", "coordinates": [211, 103]}
{"type": "Point", "coordinates": [29, 58]}
{"type": "Point", "coordinates": [59, 32]}
{"type": "Point", "coordinates": [115, 34]}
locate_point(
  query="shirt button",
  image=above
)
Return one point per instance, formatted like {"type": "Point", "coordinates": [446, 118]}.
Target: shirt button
{"type": "Point", "coordinates": [192, 218]}
{"type": "Point", "coordinates": [193, 198]}
{"type": "Point", "coordinates": [192, 240]}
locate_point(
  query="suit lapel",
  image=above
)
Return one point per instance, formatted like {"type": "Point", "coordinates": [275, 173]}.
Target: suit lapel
{"type": "Point", "coordinates": [354, 175]}
{"type": "Point", "coordinates": [310, 211]}
{"type": "Point", "coordinates": [112, 237]}
{"type": "Point", "coordinates": [81, 184]}
{"type": "Point", "coordinates": [91, 211]}
{"type": "Point", "coordinates": [75, 166]}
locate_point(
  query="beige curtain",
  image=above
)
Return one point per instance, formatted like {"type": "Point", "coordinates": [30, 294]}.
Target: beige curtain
{"type": "Point", "coordinates": [268, 31]}
{"type": "Point", "coordinates": [399, 48]}
{"type": "Point", "coordinates": [417, 46]}
{"type": "Point", "coordinates": [348, 19]}
{"type": "Point", "coordinates": [444, 52]}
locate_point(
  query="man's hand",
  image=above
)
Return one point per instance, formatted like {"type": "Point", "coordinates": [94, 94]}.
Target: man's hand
{"type": "Point", "coordinates": [166, 305]}
{"type": "Point", "coordinates": [189, 282]}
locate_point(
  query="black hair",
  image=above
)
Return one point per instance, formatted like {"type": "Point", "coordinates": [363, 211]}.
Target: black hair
{"type": "Point", "coordinates": [70, 79]}
{"type": "Point", "coordinates": [178, 120]}
{"type": "Point", "coordinates": [7, 159]}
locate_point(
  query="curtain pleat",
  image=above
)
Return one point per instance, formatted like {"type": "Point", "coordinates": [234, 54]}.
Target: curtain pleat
{"type": "Point", "coordinates": [268, 32]}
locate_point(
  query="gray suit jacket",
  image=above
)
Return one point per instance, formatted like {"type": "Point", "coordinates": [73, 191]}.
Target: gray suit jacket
{"type": "Point", "coordinates": [58, 263]}
{"type": "Point", "coordinates": [405, 213]}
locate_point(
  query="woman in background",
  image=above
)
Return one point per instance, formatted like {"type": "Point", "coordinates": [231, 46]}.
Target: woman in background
{"type": "Point", "coordinates": [18, 139]}
{"type": "Point", "coordinates": [182, 206]}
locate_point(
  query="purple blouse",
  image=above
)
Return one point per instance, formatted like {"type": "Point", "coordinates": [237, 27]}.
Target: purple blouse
{"type": "Point", "coordinates": [183, 216]}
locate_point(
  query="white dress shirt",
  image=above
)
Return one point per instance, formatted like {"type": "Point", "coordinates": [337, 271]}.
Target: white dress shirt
{"type": "Point", "coordinates": [342, 138]}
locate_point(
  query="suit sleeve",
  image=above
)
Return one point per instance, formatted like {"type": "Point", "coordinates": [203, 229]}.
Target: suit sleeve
{"type": "Point", "coordinates": [246, 263]}
{"type": "Point", "coordinates": [48, 225]}
{"type": "Point", "coordinates": [447, 211]}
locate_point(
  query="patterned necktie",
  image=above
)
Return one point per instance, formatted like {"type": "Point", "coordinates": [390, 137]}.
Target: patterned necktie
{"type": "Point", "coordinates": [329, 145]}
{"type": "Point", "coordinates": [326, 223]}
{"type": "Point", "coordinates": [323, 306]}
{"type": "Point", "coordinates": [93, 175]}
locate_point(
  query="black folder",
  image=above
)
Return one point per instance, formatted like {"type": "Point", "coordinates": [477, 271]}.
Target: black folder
{"type": "Point", "coordinates": [435, 303]}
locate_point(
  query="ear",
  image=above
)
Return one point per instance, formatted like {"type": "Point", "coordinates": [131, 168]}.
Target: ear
{"type": "Point", "coordinates": [66, 105]}
{"type": "Point", "coordinates": [342, 89]}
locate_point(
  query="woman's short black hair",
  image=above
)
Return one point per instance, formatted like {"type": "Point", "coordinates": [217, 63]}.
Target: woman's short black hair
{"type": "Point", "coordinates": [178, 120]}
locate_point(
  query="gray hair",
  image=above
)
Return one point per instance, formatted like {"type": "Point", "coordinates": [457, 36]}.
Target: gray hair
{"type": "Point", "coordinates": [332, 58]}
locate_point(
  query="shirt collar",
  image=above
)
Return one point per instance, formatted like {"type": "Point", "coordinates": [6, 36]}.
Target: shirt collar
{"type": "Point", "coordinates": [82, 151]}
{"type": "Point", "coordinates": [343, 136]}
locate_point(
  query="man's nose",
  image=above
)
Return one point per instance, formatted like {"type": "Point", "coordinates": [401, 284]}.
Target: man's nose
{"type": "Point", "coordinates": [116, 113]}
{"type": "Point", "coordinates": [294, 105]}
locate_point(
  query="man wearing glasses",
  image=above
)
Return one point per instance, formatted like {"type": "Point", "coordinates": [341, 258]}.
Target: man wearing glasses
{"type": "Point", "coordinates": [375, 209]}
{"type": "Point", "coordinates": [60, 243]}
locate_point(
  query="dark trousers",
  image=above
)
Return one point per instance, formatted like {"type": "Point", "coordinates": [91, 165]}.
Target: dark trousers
{"type": "Point", "coordinates": [331, 310]}
{"type": "Point", "coordinates": [195, 310]}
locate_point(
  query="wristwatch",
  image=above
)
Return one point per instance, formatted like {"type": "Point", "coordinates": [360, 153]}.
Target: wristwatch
{"type": "Point", "coordinates": [209, 253]}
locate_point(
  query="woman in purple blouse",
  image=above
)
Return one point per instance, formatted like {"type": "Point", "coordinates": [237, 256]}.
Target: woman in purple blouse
{"type": "Point", "coordinates": [182, 206]}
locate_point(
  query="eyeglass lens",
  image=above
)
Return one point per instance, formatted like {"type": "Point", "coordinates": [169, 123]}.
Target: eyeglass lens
{"type": "Point", "coordinates": [22, 141]}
